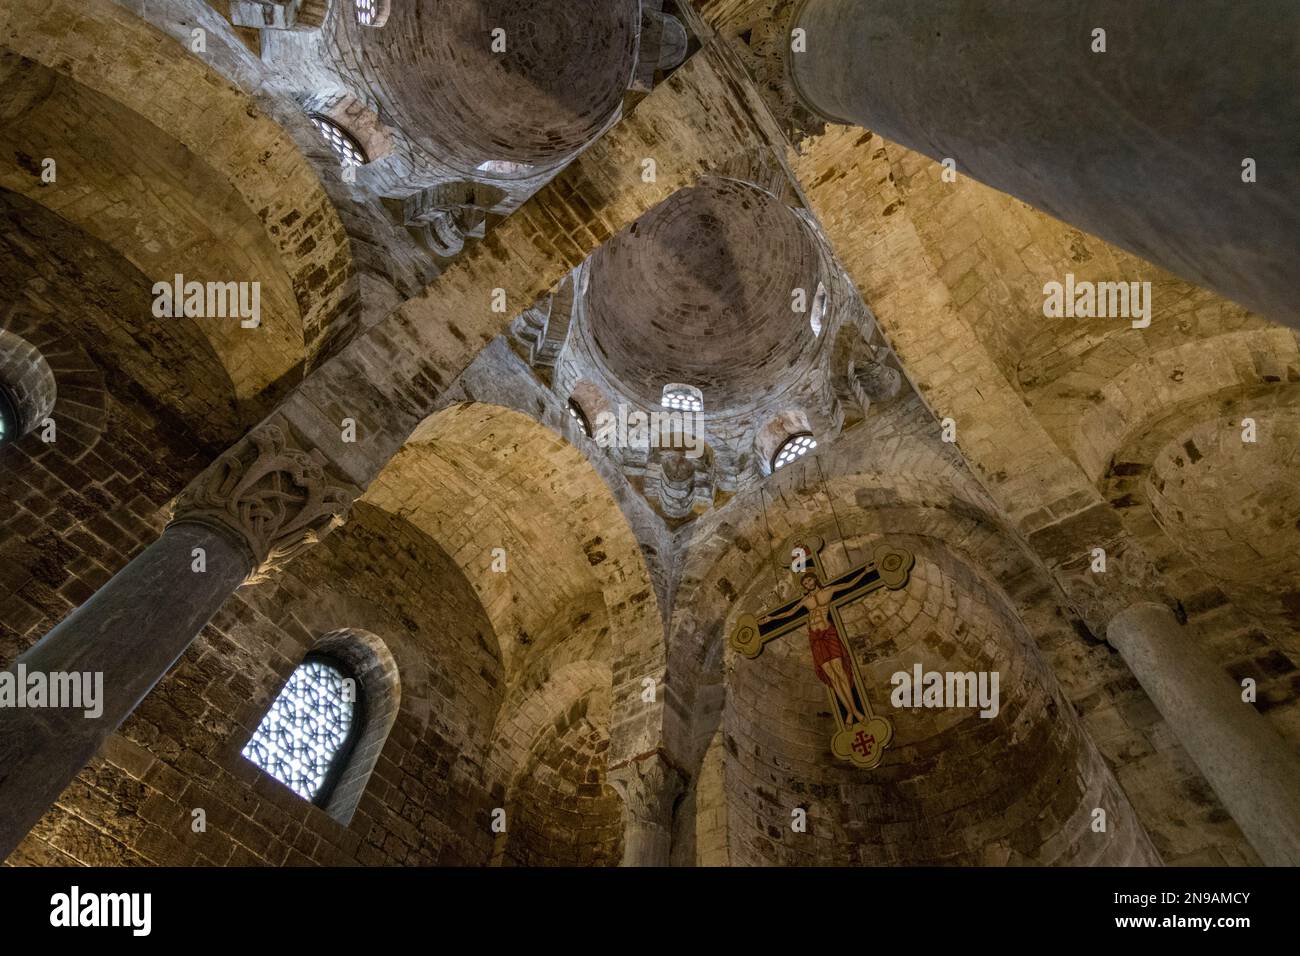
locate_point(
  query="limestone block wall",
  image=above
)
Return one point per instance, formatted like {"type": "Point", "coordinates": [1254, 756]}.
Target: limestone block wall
{"type": "Point", "coordinates": [427, 800]}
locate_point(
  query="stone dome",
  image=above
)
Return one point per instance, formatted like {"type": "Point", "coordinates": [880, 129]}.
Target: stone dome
{"type": "Point", "coordinates": [700, 291]}
{"type": "Point", "coordinates": [566, 66]}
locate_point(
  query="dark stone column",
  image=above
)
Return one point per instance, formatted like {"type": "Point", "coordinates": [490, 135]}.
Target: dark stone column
{"type": "Point", "coordinates": [131, 631]}
{"type": "Point", "coordinates": [1252, 769]}
{"type": "Point", "coordinates": [1142, 145]}
{"type": "Point", "coordinates": [256, 507]}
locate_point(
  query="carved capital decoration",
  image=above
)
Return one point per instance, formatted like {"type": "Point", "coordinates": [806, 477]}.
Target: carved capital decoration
{"type": "Point", "coordinates": [273, 496]}
{"type": "Point", "coordinates": [649, 786]}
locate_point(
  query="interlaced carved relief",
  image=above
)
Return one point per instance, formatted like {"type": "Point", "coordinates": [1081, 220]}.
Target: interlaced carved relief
{"type": "Point", "coordinates": [273, 496]}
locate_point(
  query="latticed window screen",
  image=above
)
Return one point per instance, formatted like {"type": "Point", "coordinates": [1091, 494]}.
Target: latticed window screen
{"type": "Point", "coordinates": [307, 728]}
{"type": "Point", "coordinates": [366, 12]}
{"type": "Point", "coordinates": [682, 399]}
{"type": "Point", "coordinates": [794, 447]}
{"type": "Point", "coordinates": [344, 146]}
{"type": "Point", "coordinates": [578, 415]}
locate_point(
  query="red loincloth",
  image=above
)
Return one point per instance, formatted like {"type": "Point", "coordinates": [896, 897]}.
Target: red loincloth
{"type": "Point", "coordinates": [826, 646]}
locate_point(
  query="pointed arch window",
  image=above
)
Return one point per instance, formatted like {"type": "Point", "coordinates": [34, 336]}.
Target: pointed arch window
{"type": "Point", "coordinates": [793, 448]}
{"type": "Point", "coordinates": [307, 736]}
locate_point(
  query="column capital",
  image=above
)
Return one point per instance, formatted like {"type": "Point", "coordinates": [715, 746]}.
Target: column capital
{"type": "Point", "coordinates": [649, 785]}
{"type": "Point", "coordinates": [272, 495]}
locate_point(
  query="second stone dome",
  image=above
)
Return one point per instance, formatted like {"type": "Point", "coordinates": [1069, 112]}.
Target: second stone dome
{"type": "Point", "coordinates": [701, 291]}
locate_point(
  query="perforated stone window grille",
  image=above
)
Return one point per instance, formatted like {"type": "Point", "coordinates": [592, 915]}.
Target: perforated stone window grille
{"type": "Point", "coordinates": [304, 739]}
{"type": "Point", "coordinates": [682, 398]}
{"type": "Point", "coordinates": [347, 149]}
{"type": "Point", "coordinates": [372, 13]}
{"type": "Point", "coordinates": [794, 447]}
{"type": "Point", "coordinates": [578, 415]}
{"type": "Point", "coordinates": [504, 167]}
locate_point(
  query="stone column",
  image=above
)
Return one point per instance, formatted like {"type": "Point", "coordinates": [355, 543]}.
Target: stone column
{"type": "Point", "coordinates": [649, 786]}
{"type": "Point", "coordinates": [254, 508]}
{"type": "Point", "coordinates": [1142, 144]}
{"type": "Point", "coordinates": [1253, 770]}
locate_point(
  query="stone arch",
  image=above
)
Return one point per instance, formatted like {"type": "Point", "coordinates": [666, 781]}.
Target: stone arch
{"type": "Point", "coordinates": [1184, 375]}
{"type": "Point", "coordinates": [1216, 512]}
{"type": "Point", "coordinates": [561, 809]}
{"type": "Point", "coordinates": [489, 483]}
{"type": "Point", "coordinates": [952, 540]}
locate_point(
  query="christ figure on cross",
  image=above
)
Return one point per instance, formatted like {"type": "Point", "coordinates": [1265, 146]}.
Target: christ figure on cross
{"type": "Point", "coordinates": [830, 658]}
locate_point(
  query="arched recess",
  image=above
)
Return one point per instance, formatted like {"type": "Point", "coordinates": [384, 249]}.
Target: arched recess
{"type": "Point", "coordinates": [95, 44]}
{"type": "Point", "coordinates": [390, 601]}
{"type": "Point", "coordinates": [1208, 486]}
{"type": "Point", "coordinates": [141, 193]}
{"type": "Point", "coordinates": [564, 811]}
{"type": "Point", "coordinates": [535, 529]}
{"type": "Point", "coordinates": [759, 730]}
{"type": "Point", "coordinates": [549, 754]}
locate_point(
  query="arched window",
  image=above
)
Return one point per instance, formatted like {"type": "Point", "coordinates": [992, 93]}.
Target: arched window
{"type": "Point", "coordinates": [683, 398]}
{"type": "Point", "coordinates": [794, 447]}
{"type": "Point", "coordinates": [345, 146]}
{"type": "Point", "coordinates": [9, 423]}
{"type": "Point", "coordinates": [372, 13]}
{"type": "Point", "coordinates": [504, 167]}
{"type": "Point", "coordinates": [578, 415]}
{"type": "Point", "coordinates": [818, 316]}
{"type": "Point", "coordinates": [305, 739]}
{"type": "Point", "coordinates": [27, 387]}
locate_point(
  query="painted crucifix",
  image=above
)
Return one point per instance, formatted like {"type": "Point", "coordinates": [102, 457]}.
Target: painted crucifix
{"type": "Point", "coordinates": [862, 736]}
